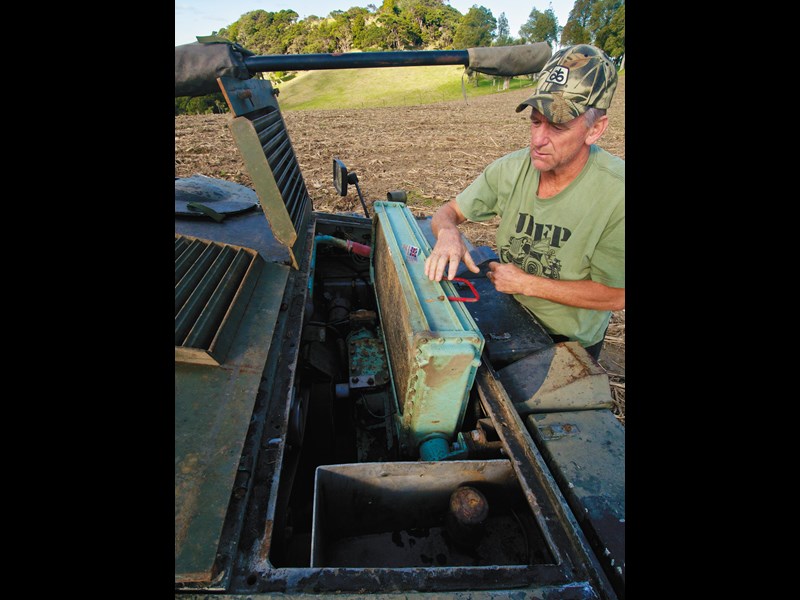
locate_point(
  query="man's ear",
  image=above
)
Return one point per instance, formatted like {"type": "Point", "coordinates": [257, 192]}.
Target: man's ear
{"type": "Point", "coordinates": [597, 129]}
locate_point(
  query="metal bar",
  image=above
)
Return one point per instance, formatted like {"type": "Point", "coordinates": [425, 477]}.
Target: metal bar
{"type": "Point", "coordinates": [355, 60]}
{"type": "Point", "coordinates": [186, 260]}
{"type": "Point", "coordinates": [210, 318]}
{"type": "Point", "coordinates": [181, 243]}
{"type": "Point", "coordinates": [298, 207]}
{"type": "Point", "coordinates": [282, 171]}
{"type": "Point", "coordinates": [266, 120]}
{"type": "Point", "coordinates": [288, 183]}
{"type": "Point", "coordinates": [291, 196]}
{"type": "Point", "coordinates": [302, 207]}
{"type": "Point", "coordinates": [191, 310]}
{"type": "Point", "coordinates": [295, 196]}
{"type": "Point", "coordinates": [303, 193]}
{"type": "Point", "coordinates": [271, 145]}
{"type": "Point", "coordinates": [187, 284]}
{"type": "Point", "coordinates": [265, 134]}
{"type": "Point", "coordinates": [278, 159]}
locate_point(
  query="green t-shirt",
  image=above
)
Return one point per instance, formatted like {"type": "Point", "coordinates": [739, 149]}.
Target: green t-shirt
{"type": "Point", "coordinates": [577, 234]}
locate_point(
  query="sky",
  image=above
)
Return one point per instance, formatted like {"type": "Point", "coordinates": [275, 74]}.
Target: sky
{"type": "Point", "coordinates": [201, 17]}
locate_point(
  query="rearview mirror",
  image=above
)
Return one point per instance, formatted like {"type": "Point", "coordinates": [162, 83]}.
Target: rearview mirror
{"type": "Point", "coordinates": [340, 177]}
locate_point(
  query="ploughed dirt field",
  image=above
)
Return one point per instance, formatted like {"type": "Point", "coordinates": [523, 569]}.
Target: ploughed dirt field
{"type": "Point", "coordinates": [431, 152]}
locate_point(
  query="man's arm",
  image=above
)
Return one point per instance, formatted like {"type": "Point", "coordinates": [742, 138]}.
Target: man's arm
{"type": "Point", "coordinates": [510, 279]}
{"type": "Point", "coordinates": [449, 249]}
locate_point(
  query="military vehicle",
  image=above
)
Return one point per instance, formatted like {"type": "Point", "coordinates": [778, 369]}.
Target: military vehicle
{"type": "Point", "coordinates": [343, 425]}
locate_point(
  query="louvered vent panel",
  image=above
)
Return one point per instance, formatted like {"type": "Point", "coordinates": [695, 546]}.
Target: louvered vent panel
{"type": "Point", "coordinates": [281, 158]}
{"type": "Point", "coordinates": [213, 283]}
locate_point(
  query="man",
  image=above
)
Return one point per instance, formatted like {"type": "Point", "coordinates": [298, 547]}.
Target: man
{"type": "Point", "coordinates": [561, 238]}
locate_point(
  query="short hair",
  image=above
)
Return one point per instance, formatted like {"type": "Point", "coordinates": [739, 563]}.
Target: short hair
{"type": "Point", "coordinates": [592, 114]}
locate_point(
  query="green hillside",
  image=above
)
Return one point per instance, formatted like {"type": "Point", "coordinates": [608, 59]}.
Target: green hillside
{"type": "Point", "coordinates": [385, 86]}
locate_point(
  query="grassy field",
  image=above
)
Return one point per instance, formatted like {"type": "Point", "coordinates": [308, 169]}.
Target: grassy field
{"type": "Point", "coordinates": [385, 87]}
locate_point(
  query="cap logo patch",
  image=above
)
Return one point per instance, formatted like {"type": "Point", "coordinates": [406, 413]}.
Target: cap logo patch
{"type": "Point", "coordinates": [558, 75]}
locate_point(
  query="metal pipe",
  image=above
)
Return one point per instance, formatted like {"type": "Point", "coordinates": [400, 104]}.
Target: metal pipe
{"type": "Point", "coordinates": [355, 60]}
{"type": "Point", "coordinates": [350, 246]}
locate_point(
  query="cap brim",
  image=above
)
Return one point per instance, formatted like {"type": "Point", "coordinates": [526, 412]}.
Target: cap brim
{"type": "Point", "coordinates": [555, 109]}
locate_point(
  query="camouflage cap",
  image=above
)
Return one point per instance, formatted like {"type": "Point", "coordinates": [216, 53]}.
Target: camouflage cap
{"type": "Point", "coordinates": [574, 79]}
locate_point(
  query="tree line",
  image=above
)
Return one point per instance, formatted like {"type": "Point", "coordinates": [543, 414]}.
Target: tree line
{"type": "Point", "coordinates": [417, 25]}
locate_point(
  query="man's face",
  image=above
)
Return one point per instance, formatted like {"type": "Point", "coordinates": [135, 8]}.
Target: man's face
{"type": "Point", "coordinates": [557, 145]}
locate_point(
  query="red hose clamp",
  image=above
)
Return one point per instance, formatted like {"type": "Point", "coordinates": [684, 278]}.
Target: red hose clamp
{"type": "Point", "coordinates": [462, 299]}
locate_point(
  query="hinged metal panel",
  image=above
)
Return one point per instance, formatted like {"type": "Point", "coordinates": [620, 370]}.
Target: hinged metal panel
{"type": "Point", "coordinates": [260, 133]}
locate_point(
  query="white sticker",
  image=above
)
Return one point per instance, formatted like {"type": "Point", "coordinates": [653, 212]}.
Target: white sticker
{"type": "Point", "coordinates": [412, 252]}
{"type": "Point", "coordinates": [558, 75]}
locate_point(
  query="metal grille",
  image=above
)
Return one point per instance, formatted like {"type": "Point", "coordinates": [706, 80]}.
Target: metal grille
{"type": "Point", "coordinates": [210, 281]}
{"type": "Point", "coordinates": [280, 155]}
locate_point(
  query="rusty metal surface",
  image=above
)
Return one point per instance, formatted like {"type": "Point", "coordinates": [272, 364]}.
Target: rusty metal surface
{"type": "Point", "coordinates": [433, 344]}
{"type": "Point", "coordinates": [248, 229]}
{"type": "Point", "coordinates": [561, 377]}
{"type": "Point", "coordinates": [260, 134]}
{"type": "Point", "coordinates": [368, 580]}
{"type": "Point", "coordinates": [213, 406]}
{"type": "Point", "coordinates": [269, 194]}
{"type": "Point", "coordinates": [393, 514]}
{"type": "Point", "coordinates": [585, 451]}
{"type": "Point", "coordinates": [273, 470]}
{"type": "Point", "coordinates": [548, 504]}
{"type": "Point", "coordinates": [245, 96]}
{"type": "Point", "coordinates": [367, 361]}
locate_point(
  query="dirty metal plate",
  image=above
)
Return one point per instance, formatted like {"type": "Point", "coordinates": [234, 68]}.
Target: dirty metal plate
{"type": "Point", "coordinates": [511, 332]}
{"type": "Point", "coordinates": [225, 197]}
{"type": "Point", "coordinates": [572, 591]}
{"type": "Point", "coordinates": [248, 95]}
{"type": "Point", "coordinates": [585, 450]}
{"type": "Point", "coordinates": [368, 366]}
{"type": "Point", "coordinates": [246, 228]}
{"type": "Point", "coordinates": [213, 407]}
{"type": "Point", "coordinates": [503, 543]}
{"type": "Point", "coordinates": [557, 378]}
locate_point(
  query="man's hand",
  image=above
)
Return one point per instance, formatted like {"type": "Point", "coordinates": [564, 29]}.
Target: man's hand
{"type": "Point", "coordinates": [449, 249]}
{"type": "Point", "coordinates": [446, 254]}
{"type": "Point", "coordinates": [510, 279]}
{"type": "Point", "coordinates": [507, 278]}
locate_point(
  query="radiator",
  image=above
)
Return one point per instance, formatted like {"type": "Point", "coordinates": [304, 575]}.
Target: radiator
{"type": "Point", "coordinates": [433, 344]}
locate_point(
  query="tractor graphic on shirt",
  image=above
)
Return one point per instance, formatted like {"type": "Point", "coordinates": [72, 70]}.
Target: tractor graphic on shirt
{"type": "Point", "coordinates": [537, 258]}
